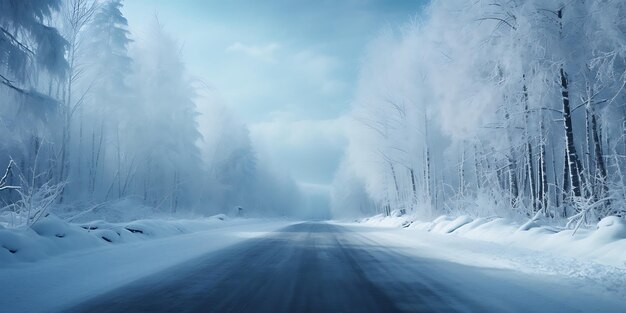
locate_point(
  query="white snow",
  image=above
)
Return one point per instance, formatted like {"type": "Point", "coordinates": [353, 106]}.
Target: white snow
{"type": "Point", "coordinates": [606, 244]}
{"type": "Point", "coordinates": [591, 261]}
{"type": "Point", "coordinates": [53, 272]}
{"type": "Point", "coordinates": [500, 277]}
{"type": "Point", "coordinates": [52, 236]}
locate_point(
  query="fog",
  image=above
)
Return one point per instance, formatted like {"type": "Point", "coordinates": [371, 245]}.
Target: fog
{"type": "Point", "coordinates": [312, 110]}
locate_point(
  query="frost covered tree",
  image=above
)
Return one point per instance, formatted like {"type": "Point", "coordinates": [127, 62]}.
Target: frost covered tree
{"type": "Point", "coordinates": [111, 110]}
{"type": "Point", "coordinates": [32, 54]}
{"type": "Point", "coordinates": [168, 133]}
{"type": "Point", "coordinates": [28, 43]}
{"type": "Point", "coordinates": [75, 16]}
{"type": "Point", "coordinates": [523, 104]}
{"type": "Point", "coordinates": [90, 127]}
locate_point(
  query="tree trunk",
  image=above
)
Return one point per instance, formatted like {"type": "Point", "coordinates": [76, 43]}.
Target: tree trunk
{"type": "Point", "coordinates": [588, 144]}
{"type": "Point", "coordinates": [414, 188]}
{"type": "Point", "coordinates": [573, 162]}
{"type": "Point", "coordinates": [427, 168]}
{"type": "Point", "coordinates": [566, 178]}
{"type": "Point", "coordinates": [512, 162]}
{"type": "Point", "coordinates": [478, 170]}
{"type": "Point", "coordinates": [599, 160]}
{"type": "Point", "coordinates": [529, 152]}
{"type": "Point", "coordinates": [462, 173]}
{"type": "Point", "coordinates": [543, 178]}
{"type": "Point", "coordinates": [555, 178]}
{"type": "Point", "coordinates": [395, 181]}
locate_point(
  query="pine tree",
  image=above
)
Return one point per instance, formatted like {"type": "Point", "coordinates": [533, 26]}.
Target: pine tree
{"type": "Point", "coordinates": [27, 42]}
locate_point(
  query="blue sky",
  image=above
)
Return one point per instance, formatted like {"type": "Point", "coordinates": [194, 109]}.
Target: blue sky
{"type": "Point", "coordinates": [287, 68]}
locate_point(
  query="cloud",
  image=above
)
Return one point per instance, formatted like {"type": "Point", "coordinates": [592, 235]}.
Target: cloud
{"type": "Point", "coordinates": [315, 64]}
{"type": "Point", "coordinates": [316, 70]}
{"type": "Point", "coordinates": [264, 52]}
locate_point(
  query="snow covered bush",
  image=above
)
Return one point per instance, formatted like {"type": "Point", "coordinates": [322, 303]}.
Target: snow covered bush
{"type": "Point", "coordinates": [36, 194]}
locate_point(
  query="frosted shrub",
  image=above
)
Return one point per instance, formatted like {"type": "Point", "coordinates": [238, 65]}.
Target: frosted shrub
{"type": "Point", "coordinates": [35, 198]}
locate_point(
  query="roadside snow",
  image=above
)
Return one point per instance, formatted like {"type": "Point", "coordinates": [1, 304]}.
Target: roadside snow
{"type": "Point", "coordinates": [57, 275]}
{"type": "Point", "coordinates": [52, 236]}
{"type": "Point", "coordinates": [593, 260]}
{"type": "Point", "coordinates": [473, 274]}
{"type": "Point", "coordinates": [606, 244]}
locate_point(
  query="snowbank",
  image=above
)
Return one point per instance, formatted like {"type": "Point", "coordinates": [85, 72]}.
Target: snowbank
{"type": "Point", "coordinates": [53, 236]}
{"type": "Point", "coordinates": [56, 283]}
{"type": "Point", "coordinates": [606, 244]}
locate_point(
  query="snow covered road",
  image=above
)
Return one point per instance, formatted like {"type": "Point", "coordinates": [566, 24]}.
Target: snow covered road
{"type": "Point", "coordinates": [323, 267]}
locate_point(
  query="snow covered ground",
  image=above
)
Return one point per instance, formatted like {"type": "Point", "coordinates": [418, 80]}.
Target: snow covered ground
{"type": "Point", "coordinates": [52, 235]}
{"type": "Point", "coordinates": [605, 244]}
{"type": "Point", "coordinates": [55, 273]}
{"type": "Point", "coordinates": [592, 259]}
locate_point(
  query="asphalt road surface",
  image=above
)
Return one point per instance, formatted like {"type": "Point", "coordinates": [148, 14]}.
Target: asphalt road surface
{"type": "Point", "coordinates": [321, 267]}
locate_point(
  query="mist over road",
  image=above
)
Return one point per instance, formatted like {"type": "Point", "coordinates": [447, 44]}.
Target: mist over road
{"type": "Point", "coordinates": [322, 267]}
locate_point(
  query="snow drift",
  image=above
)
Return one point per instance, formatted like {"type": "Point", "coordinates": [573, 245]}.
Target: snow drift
{"type": "Point", "coordinates": [606, 244]}
{"type": "Point", "coordinates": [53, 236]}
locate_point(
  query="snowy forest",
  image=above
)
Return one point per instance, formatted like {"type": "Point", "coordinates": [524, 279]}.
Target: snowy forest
{"type": "Point", "coordinates": [312, 156]}
{"type": "Point", "coordinates": [488, 108]}
{"type": "Point", "coordinates": [492, 108]}
{"type": "Point", "coordinates": [96, 118]}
